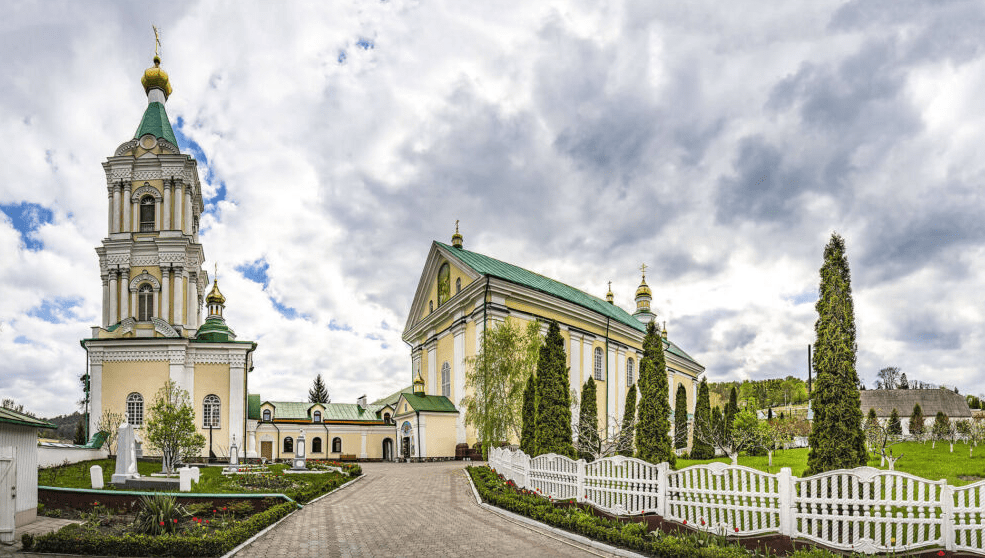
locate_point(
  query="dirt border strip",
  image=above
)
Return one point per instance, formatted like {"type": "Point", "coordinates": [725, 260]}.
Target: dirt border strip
{"type": "Point", "coordinates": [250, 540]}
{"type": "Point", "coordinates": [554, 530]}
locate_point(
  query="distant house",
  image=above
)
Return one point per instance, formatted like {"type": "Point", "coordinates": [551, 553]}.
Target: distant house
{"type": "Point", "coordinates": [931, 401]}
{"type": "Point", "coordinates": [18, 470]}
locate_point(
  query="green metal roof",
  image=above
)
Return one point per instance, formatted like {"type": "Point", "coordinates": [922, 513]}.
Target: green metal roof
{"type": "Point", "coordinates": [391, 399]}
{"type": "Point", "coordinates": [484, 265]}
{"type": "Point", "coordinates": [433, 403]}
{"type": "Point", "coordinates": [215, 330]}
{"type": "Point", "coordinates": [253, 406]}
{"type": "Point", "coordinates": [295, 410]}
{"type": "Point", "coordinates": [350, 411]}
{"type": "Point", "coordinates": [155, 122]}
{"type": "Point", "coordinates": [10, 416]}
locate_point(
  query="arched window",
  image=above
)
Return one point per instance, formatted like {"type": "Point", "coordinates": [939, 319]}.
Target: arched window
{"type": "Point", "coordinates": [210, 411]}
{"type": "Point", "coordinates": [147, 213]}
{"type": "Point", "coordinates": [288, 445]}
{"type": "Point", "coordinates": [135, 409]}
{"type": "Point", "coordinates": [386, 418]}
{"type": "Point", "coordinates": [316, 445]}
{"type": "Point", "coordinates": [599, 374]}
{"type": "Point", "coordinates": [145, 302]}
{"type": "Point", "coordinates": [336, 445]}
{"type": "Point", "coordinates": [266, 415]}
{"type": "Point", "coordinates": [629, 371]}
{"type": "Point", "coordinates": [430, 306]}
{"type": "Point", "coordinates": [444, 283]}
{"type": "Point", "coordinates": [458, 285]}
{"type": "Point", "coordinates": [317, 417]}
{"type": "Point", "coordinates": [446, 380]}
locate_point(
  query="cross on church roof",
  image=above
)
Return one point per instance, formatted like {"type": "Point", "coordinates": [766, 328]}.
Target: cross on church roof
{"type": "Point", "coordinates": [157, 40]}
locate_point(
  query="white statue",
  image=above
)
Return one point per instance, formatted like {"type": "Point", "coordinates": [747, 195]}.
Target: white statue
{"type": "Point", "coordinates": [298, 463]}
{"type": "Point", "coordinates": [126, 453]}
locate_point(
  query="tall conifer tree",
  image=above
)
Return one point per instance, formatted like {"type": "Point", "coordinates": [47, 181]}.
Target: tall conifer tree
{"type": "Point", "coordinates": [553, 400]}
{"type": "Point", "coordinates": [588, 422]}
{"type": "Point", "coordinates": [916, 420]}
{"type": "Point", "coordinates": [529, 416]}
{"type": "Point", "coordinates": [731, 409]}
{"type": "Point", "coordinates": [318, 392]}
{"type": "Point", "coordinates": [680, 418]}
{"type": "Point", "coordinates": [702, 419]}
{"type": "Point", "coordinates": [653, 442]}
{"type": "Point", "coordinates": [836, 439]}
{"type": "Point", "coordinates": [628, 423]}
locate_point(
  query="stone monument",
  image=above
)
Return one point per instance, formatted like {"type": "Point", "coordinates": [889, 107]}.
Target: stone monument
{"type": "Point", "coordinates": [233, 457]}
{"type": "Point", "coordinates": [298, 462]}
{"type": "Point", "coordinates": [96, 476]}
{"type": "Point", "coordinates": [126, 453]}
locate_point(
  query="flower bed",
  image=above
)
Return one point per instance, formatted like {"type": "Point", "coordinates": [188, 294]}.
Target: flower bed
{"type": "Point", "coordinates": [642, 534]}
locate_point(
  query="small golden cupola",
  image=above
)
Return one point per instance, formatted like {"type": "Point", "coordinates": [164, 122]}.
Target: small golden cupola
{"type": "Point", "coordinates": [215, 329]}
{"type": "Point", "coordinates": [456, 239]}
{"type": "Point", "coordinates": [643, 298]}
{"type": "Point", "coordinates": [215, 301]}
{"type": "Point", "coordinates": [156, 78]}
{"type": "Point", "coordinates": [419, 385]}
{"type": "Point", "coordinates": [609, 297]}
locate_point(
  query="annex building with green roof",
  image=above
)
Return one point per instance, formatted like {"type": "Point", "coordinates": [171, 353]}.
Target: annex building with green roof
{"type": "Point", "coordinates": [462, 292]}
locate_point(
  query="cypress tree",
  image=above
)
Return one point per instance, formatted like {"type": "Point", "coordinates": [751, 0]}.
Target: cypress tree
{"type": "Point", "coordinates": [903, 382]}
{"type": "Point", "coordinates": [680, 418]}
{"type": "Point", "coordinates": [836, 439]}
{"type": "Point", "coordinates": [731, 409]}
{"type": "Point", "coordinates": [588, 422]}
{"type": "Point", "coordinates": [80, 434]}
{"type": "Point", "coordinates": [553, 430]}
{"type": "Point", "coordinates": [916, 420]}
{"type": "Point", "coordinates": [628, 423]}
{"type": "Point", "coordinates": [895, 426]}
{"type": "Point", "coordinates": [769, 414]}
{"type": "Point", "coordinates": [653, 442]}
{"type": "Point", "coordinates": [529, 416]}
{"type": "Point", "coordinates": [702, 418]}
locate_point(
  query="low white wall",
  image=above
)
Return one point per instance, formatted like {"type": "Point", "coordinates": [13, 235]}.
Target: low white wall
{"type": "Point", "coordinates": [59, 455]}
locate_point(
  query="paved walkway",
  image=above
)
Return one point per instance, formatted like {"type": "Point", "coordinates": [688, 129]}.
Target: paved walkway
{"type": "Point", "coordinates": [407, 509]}
{"type": "Point", "coordinates": [39, 526]}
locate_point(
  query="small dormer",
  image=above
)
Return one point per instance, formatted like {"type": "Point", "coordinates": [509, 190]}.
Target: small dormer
{"type": "Point", "coordinates": [316, 413]}
{"type": "Point", "coordinates": [386, 414]}
{"type": "Point", "coordinates": [267, 412]}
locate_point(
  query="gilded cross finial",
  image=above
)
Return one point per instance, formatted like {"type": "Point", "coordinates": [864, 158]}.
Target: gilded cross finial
{"type": "Point", "coordinates": [456, 225]}
{"type": "Point", "coordinates": [610, 285]}
{"type": "Point", "coordinates": [643, 270]}
{"type": "Point", "coordinates": [157, 40]}
{"type": "Point", "coordinates": [216, 272]}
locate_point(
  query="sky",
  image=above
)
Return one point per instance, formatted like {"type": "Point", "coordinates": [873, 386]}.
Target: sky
{"type": "Point", "coordinates": [719, 143]}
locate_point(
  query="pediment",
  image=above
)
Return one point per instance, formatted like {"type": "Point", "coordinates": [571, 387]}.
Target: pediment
{"type": "Point", "coordinates": [429, 277]}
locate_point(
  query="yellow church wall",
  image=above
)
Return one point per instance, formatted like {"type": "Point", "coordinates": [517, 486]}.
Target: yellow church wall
{"type": "Point", "coordinates": [120, 379]}
{"type": "Point", "coordinates": [445, 353]}
{"type": "Point", "coordinates": [351, 443]}
{"type": "Point", "coordinates": [440, 434]}
{"type": "Point", "coordinates": [211, 379]}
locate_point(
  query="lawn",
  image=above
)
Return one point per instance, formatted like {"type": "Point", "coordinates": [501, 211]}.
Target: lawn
{"type": "Point", "coordinates": [918, 459]}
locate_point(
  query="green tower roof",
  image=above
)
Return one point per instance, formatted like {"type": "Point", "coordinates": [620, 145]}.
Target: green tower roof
{"type": "Point", "coordinates": [155, 122]}
{"type": "Point", "coordinates": [215, 330]}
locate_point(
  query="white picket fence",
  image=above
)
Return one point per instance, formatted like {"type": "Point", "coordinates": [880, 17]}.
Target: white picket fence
{"type": "Point", "coordinates": [864, 510]}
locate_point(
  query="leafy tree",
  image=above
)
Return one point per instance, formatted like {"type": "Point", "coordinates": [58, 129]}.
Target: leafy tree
{"type": "Point", "coordinates": [553, 431]}
{"type": "Point", "coordinates": [171, 426]}
{"type": "Point", "coordinates": [941, 429]}
{"type": "Point", "coordinates": [889, 378]}
{"type": "Point", "coordinates": [744, 434]}
{"type": "Point", "coordinates": [903, 382]}
{"type": "Point", "coordinates": [702, 415]}
{"type": "Point", "coordinates": [836, 440]}
{"type": "Point", "coordinates": [680, 418]}
{"type": "Point", "coordinates": [588, 422]}
{"type": "Point", "coordinates": [916, 420]}
{"type": "Point", "coordinates": [629, 422]}
{"type": "Point", "coordinates": [653, 417]}
{"type": "Point", "coordinates": [8, 403]}
{"type": "Point", "coordinates": [894, 425]}
{"type": "Point", "coordinates": [529, 416]}
{"type": "Point", "coordinates": [80, 434]}
{"type": "Point", "coordinates": [109, 422]}
{"type": "Point", "coordinates": [494, 379]}
{"type": "Point", "coordinates": [881, 439]}
{"type": "Point", "coordinates": [318, 393]}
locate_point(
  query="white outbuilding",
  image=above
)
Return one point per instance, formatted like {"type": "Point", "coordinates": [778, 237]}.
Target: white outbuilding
{"type": "Point", "coordinates": [18, 470]}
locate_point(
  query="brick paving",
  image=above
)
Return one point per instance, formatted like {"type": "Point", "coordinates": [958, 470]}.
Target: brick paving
{"type": "Point", "coordinates": [407, 509]}
{"type": "Point", "coordinates": [39, 526]}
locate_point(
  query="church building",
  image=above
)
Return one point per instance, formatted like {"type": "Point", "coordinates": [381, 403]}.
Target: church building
{"type": "Point", "coordinates": [150, 262]}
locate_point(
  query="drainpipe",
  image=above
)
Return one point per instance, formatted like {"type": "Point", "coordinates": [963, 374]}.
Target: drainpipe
{"type": "Point", "coordinates": [87, 386]}
{"type": "Point", "coordinates": [607, 378]}
{"type": "Point", "coordinates": [277, 443]}
{"type": "Point", "coordinates": [418, 434]}
{"type": "Point", "coordinates": [246, 400]}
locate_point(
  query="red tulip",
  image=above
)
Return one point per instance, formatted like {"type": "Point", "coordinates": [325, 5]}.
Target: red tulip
{"type": "Point", "coordinates": [162, 524]}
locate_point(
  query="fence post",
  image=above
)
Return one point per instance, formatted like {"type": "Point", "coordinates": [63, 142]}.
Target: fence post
{"type": "Point", "coordinates": [947, 517]}
{"type": "Point", "coordinates": [581, 480]}
{"type": "Point", "coordinates": [663, 475]}
{"type": "Point", "coordinates": [525, 467]}
{"type": "Point", "coordinates": [785, 489]}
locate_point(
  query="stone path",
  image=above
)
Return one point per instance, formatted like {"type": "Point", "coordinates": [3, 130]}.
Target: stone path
{"type": "Point", "coordinates": [39, 526]}
{"type": "Point", "coordinates": [407, 509]}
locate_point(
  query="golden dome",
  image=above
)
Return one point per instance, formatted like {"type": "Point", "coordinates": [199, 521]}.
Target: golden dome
{"type": "Point", "coordinates": [419, 385]}
{"type": "Point", "coordinates": [156, 78]}
{"type": "Point", "coordinates": [644, 289]}
{"type": "Point", "coordinates": [215, 297]}
{"type": "Point", "coordinates": [456, 239]}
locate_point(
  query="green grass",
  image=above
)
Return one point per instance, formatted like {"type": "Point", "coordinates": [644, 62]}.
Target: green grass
{"type": "Point", "coordinates": [918, 459]}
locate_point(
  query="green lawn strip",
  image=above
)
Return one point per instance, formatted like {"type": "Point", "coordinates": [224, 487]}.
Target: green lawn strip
{"type": "Point", "coordinates": [496, 491]}
{"type": "Point", "coordinates": [919, 459]}
{"type": "Point", "coordinates": [75, 539]}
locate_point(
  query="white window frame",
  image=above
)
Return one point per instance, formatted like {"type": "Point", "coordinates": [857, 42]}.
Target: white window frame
{"type": "Point", "coordinates": [446, 380]}
{"type": "Point", "coordinates": [629, 371]}
{"type": "Point", "coordinates": [211, 407]}
{"type": "Point", "coordinates": [135, 409]}
{"type": "Point", "coordinates": [599, 370]}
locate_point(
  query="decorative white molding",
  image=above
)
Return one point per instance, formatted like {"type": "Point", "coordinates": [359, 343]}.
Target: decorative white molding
{"type": "Point", "coordinates": [126, 326]}
{"type": "Point", "coordinates": [177, 356]}
{"type": "Point", "coordinates": [163, 327]}
{"type": "Point", "coordinates": [145, 277]}
{"type": "Point", "coordinates": [135, 355]}
{"type": "Point", "coordinates": [124, 147]}
{"type": "Point", "coordinates": [144, 190]}
{"type": "Point", "coordinates": [118, 259]}
{"type": "Point", "coordinates": [145, 260]}
{"type": "Point", "coordinates": [172, 258]}
{"type": "Point", "coordinates": [147, 174]}
{"type": "Point", "coordinates": [168, 145]}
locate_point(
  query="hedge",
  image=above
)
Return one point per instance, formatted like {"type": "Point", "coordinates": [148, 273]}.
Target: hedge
{"type": "Point", "coordinates": [73, 539]}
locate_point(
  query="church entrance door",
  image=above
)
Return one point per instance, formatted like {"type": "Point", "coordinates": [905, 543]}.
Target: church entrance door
{"type": "Point", "coordinates": [387, 449]}
{"type": "Point", "coordinates": [267, 450]}
{"type": "Point", "coordinates": [405, 447]}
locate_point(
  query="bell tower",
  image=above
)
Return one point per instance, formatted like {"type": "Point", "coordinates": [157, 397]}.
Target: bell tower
{"type": "Point", "coordinates": [151, 261]}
